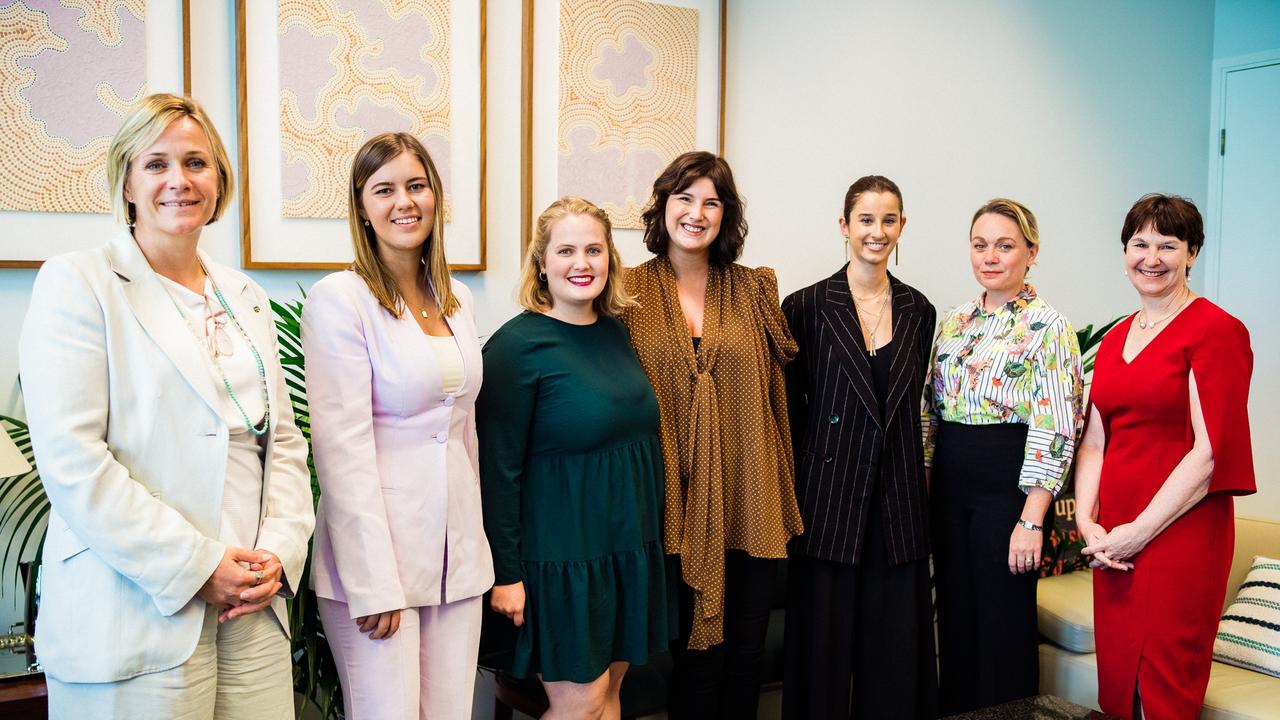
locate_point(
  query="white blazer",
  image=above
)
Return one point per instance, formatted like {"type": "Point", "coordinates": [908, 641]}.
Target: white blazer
{"type": "Point", "coordinates": [132, 452]}
{"type": "Point", "coordinates": [397, 457]}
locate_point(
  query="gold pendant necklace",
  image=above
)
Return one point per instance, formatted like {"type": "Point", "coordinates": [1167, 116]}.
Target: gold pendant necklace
{"type": "Point", "coordinates": [871, 340]}
{"type": "Point", "coordinates": [1143, 325]}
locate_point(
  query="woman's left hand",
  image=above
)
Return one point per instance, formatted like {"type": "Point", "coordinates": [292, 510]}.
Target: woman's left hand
{"type": "Point", "coordinates": [258, 597]}
{"type": "Point", "coordinates": [1024, 550]}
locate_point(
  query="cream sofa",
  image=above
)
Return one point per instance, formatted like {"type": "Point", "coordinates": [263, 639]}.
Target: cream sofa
{"type": "Point", "coordinates": [1069, 667]}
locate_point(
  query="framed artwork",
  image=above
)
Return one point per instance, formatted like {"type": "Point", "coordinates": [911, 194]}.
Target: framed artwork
{"type": "Point", "coordinates": [69, 72]}
{"type": "Point", "coordinates": [317, 78]}
{"type": "Point", "coordinates": [613, 91]}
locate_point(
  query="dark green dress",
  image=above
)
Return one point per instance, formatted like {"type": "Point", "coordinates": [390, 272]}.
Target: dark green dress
{"type": "Point", "coordinates": [571, 476]}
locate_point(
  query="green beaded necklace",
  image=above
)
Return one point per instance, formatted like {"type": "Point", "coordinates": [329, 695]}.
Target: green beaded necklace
{"type": "Point", "coordinates": [262, 373]}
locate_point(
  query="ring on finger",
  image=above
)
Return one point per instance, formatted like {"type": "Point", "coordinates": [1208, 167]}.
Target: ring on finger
{"type": "Point", "coordinates": [257, 577]}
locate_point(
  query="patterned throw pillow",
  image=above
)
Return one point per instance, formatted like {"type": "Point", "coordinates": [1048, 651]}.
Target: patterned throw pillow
{"type": "Point", "coordinates": [1249, 634]}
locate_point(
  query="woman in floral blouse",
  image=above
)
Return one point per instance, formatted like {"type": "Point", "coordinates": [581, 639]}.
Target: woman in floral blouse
{"type": "Point", "coordinates": [1004, 414]}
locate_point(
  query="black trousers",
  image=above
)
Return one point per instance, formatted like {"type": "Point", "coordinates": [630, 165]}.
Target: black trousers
{"type": "Point", "coordinates": [723, 681]}
{"type": "Point", "coordinates": [859, 638]}
{"type": "Point", "coordinates": [988, 644]}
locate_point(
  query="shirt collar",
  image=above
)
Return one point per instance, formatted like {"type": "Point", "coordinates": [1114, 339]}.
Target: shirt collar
{"type": "Point", "coordinates": [1019, 302]}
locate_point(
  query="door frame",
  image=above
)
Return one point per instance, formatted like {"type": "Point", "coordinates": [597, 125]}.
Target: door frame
{"type": "Point", "coordinates": [1217, 118]}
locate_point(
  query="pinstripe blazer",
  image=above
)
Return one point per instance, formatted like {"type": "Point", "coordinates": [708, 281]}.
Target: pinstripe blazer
{"type": "Point", "coordinates": [837, 429]}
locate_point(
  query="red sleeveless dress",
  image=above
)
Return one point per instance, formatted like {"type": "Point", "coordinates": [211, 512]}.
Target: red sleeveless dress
{"type": "Point", "coordinates": [1155, 625]}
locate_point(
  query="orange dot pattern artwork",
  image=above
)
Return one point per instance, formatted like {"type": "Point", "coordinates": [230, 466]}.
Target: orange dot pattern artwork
{"type": "Point", "coordinates": [350, 69]}
{"type": "Point", "coordinates": [627, 100]}
{"type": "Point", "coordinates": [69, 71]}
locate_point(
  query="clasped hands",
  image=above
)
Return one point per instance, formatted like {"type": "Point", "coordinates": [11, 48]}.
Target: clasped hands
{"type": "Point", "coordinates": [244, 582]}
{"type": "Point", "coordinates": [1113, 550]}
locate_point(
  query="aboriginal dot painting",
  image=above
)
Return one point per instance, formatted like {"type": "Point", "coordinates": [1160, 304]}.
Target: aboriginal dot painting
{"type": "Point", "coordinates": [69, 72]}
{"type": "Point", "coordinates": [350, 69]}
{"type": "Point", "coordinates": [628, 85]}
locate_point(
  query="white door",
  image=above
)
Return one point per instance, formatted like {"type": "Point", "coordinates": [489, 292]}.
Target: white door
{"type": "Point", "coordinates": [1248, 257]}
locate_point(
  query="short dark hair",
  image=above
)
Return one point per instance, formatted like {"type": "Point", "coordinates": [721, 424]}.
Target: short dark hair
{"type": "Point", "coordinates": [870, 183]}
{"type": "Point", "coordinates": [678, 176]}
{"type": "Point", "coordinates": [1170, 215]}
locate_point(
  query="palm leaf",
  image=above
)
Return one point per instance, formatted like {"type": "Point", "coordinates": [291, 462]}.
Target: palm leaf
{"type": "Point", "coordinates": [315, 674]}
{"type": "Point", "coordinates": [24, 503]}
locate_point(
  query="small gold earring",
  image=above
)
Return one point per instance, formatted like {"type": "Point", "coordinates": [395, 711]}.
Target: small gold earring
{"type": "Point", "coordinates": [542, 276]}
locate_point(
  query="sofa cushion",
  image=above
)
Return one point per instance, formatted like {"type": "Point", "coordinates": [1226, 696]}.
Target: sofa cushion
{"type": "Point", "coordinates": [1064, 609]}
{"type": "Point", "coordinates": [1238, 694]}
{"type": "Point", "coordinates": [1249, 633]}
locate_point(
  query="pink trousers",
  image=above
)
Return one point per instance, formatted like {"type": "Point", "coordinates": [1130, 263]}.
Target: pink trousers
{"type": "Point", "coordinates": [426, 670]}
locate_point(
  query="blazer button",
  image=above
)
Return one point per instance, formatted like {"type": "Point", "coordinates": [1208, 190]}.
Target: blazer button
{"type": "Point", "coordinates": [827, 458]}
{"type": "Point", "coordinates": [448, 401]}
{"type": "Point", "coordinates": [834, 419]}
{"type": "Point", "coordinates": [442, 436]}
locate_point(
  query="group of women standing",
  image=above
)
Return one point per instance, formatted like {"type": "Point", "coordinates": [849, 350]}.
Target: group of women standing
{"type": "Point", "coordinates": [644, 448]}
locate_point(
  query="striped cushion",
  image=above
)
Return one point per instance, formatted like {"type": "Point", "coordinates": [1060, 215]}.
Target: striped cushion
{"type": "Point", "coordinates": [1249, 634]}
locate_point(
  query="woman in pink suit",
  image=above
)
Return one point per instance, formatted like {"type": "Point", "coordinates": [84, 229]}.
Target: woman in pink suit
{"type": "Point", "coordinates": [393, 368]}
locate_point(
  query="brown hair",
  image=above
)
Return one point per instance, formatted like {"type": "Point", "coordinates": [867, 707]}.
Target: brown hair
{"type": "Point", "coordinates": [1168, 215]}
{"type": "Point", "coordinates": [1020, 214]}
{"type": "Point", "coordinates": [533, 293]}
{"type": "Point", "coordinates": [375, 153]}
{"type": "Point", "coordinates": [870, 183]}
{"type": "Point", "coordinates": [677, 177]}
{"type": "Point", "coordinates": [139, 131]}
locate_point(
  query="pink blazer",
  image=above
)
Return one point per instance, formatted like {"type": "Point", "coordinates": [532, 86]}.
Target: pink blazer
{"type": "Point", "coordinates": [395, 454]}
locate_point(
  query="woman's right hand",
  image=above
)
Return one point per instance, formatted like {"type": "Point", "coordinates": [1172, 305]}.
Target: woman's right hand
{"type": "Point", "coordinates": [1094, 534]}
{"type": "Point", "coordinates": [509, 600]}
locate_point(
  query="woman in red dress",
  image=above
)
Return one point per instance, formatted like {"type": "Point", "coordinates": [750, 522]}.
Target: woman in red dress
{"type": "Point", "coordinates": [1165, 449]}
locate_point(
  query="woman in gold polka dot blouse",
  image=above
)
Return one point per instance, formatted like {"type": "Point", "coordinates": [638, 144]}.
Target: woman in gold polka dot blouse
{"type": "Point", "coordinates": [711, 337]}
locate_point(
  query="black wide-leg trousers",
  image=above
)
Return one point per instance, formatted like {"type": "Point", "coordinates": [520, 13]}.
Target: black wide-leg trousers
{"type": "Point", "coordinates": [988, 644]}
{"type": "Point", "coordinates": [859, 638]}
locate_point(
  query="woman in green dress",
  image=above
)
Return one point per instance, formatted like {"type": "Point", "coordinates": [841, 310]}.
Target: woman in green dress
{"type": "Point", "coordinates": [571, 472]}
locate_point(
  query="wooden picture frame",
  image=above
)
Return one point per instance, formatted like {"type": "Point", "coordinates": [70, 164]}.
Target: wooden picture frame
{"type": "Point", "coordinates": [270, 241]}
{"type": "Point", "coordinates": [541, 76]}
{"type": "Point", "coordinates": [31, 237]}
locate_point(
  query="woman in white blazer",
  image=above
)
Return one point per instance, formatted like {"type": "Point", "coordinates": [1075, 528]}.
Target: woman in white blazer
{"type": "Point", "coordinates": [393, 369]}
{"type": "Point", "coordinates": [181, 504]}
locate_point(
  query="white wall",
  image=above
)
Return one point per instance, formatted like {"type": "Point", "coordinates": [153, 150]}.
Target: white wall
{"type": "Point", "coordinates": [1076, 109]}
{"type": "Point", "coordinates": [1242, 27]}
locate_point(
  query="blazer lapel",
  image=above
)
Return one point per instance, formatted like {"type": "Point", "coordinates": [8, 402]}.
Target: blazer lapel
{"type": "Point", "coordinates": [841, 322]}
{"type": "Point", "coordinates": [162, 320]}
{"type": "Point", "coordinates": [906, 322]}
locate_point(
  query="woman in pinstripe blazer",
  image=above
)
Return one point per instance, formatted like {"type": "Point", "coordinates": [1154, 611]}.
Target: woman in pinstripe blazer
{"type": "Point", "coordinates": [859, 614]}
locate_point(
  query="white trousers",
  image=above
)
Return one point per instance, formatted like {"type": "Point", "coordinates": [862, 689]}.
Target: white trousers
{"type": "Point", "coordinates": [426, 670]}
{"type": "Point", "coordinates": [240, 670]}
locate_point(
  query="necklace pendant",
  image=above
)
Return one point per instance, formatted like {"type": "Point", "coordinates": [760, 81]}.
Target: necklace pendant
{"type": "Point", "coordinates": [425, 316]}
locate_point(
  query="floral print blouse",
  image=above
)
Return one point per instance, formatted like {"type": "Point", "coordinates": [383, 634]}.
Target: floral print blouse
{"type": "Point", "coordinates": [1018, 364]}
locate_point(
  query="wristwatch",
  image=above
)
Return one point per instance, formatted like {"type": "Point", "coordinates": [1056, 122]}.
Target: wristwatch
{"type": "Point", "coordinates": [1030, 525]}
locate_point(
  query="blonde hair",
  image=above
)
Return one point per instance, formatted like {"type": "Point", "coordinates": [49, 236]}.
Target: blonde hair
{"type": "Point", "coordinates": [375, 153]}
{"type": "Point", "coordinates": [1015, 211]}
{"type": "Point", "coordinates": [140, 130]}
{"type": "Point", "coordinates": [534, 295]}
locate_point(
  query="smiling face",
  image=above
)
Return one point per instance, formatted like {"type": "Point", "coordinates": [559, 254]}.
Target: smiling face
{"type": "Point", "coordinates": [873, 227]}
{"type": "Point", "coordinates": [693, 217]}
{"type": "Point", "coordinates": [173, 184]}
{"type": "Point", "coordinates": [1000, 255]}
{"type": "Point", "coordinates": [399, 205]}
{"type": "Point", "coordinates": [1157, 264]}
{"type": "Point", "coordinates": [576, 262]}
